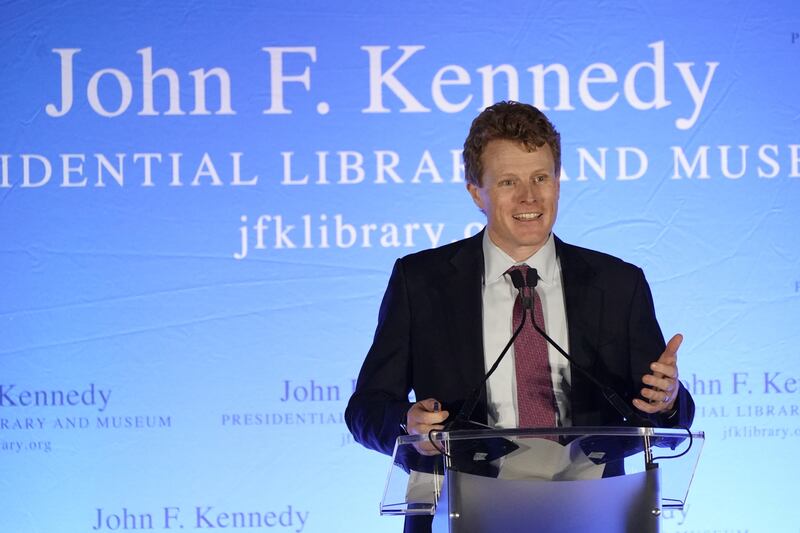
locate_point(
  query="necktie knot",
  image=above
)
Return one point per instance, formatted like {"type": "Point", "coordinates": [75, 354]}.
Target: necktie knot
{"type": "Point", "coordinates": [522, 269]}
{"type": "Point", "coordinates": [518, 275]}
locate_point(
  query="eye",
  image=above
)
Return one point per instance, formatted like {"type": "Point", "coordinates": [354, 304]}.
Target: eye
{"type": "Point", "coordinates": [540, 178]}
{"type": "Point", "coordinates": [505, 183]}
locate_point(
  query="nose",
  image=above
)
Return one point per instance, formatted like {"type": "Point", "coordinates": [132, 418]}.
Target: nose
{"type": "Point", "coordinates": [528, 192]}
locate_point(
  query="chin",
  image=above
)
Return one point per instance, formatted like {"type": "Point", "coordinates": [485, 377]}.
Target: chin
{"type": "Point", "coordinates": [532, 240]}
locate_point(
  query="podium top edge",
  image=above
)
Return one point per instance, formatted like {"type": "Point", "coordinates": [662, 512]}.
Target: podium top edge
{"type": "Point", "coordinates": [469, 434]}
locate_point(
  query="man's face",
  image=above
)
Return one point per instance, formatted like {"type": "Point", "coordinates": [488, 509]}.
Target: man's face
{"type": "Point", "coordinates": [519, 196]}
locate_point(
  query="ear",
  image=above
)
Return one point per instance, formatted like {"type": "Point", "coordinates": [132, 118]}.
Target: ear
{"type": "Point", "coordinates": [473, 191]}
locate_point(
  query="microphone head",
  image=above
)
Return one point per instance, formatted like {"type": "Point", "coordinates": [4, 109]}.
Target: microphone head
{"type": "Point", "coordinates": [532, 278]}
{"type": "Point", "coordinates": [516, 279]}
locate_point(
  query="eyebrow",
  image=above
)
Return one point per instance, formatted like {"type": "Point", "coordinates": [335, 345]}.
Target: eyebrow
{"type": "Point", "coordinates": [510, 173]}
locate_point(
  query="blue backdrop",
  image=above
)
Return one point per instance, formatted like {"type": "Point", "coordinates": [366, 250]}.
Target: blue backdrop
{"type": "Point", "coordinates": [200, 204]}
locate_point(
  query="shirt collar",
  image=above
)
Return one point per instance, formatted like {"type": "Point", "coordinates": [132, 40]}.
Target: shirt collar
{"type": "Point", "coordinates": [496, 261]}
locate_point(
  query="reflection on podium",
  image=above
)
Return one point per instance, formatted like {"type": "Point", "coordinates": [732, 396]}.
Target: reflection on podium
{"type": "Point", "coordinates": [549, 480]}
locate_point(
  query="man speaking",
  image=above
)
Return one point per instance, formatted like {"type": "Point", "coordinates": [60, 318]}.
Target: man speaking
{"type": "Point", "coordinates": [448, 313]}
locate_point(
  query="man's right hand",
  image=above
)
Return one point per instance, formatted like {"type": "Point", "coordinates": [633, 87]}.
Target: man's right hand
{"type": "Point", "coordinates": [421, 419]}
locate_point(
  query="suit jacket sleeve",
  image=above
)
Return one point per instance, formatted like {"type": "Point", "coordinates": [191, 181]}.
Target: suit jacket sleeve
{"type": "Point", "coordinates": [380, 401]}
{"type": "Point", "coordinates": [647, 345]}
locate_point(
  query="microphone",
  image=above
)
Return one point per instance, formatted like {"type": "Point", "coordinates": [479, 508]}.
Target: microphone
{"type": "Point", "coordinates": [613, 398]}
{"type": "Point", "coordinates": [471, 402]}
{"type": "Point", "coordinates": [531, 278]}
{"type": "Point", "coordinates": [529, 281]}
{"type": "Point", "coordinates": [520, 284]}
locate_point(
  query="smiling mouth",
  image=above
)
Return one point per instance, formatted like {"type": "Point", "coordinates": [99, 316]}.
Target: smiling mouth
{"type": "Point", "coordinates": [527, 216]}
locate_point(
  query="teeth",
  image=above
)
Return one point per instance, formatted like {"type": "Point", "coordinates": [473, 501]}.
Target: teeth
{"type": "Point", "coordinates": [527, 216]}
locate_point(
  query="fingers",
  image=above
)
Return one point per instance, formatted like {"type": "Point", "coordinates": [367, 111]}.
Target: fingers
{"type": "Point", "coordinates": [423, 417]}
{"type": "Point", "coordinates": [425, 413]}
{"type": "Point", "coordinates": [659, 401]}
{"type": "Point", "coordinates": [668, 370]}
{"type": "Point", "coordinates": [667, 364]}
{"type": "Point", "coordinates": [673, 345]}
{"type": "Point", "coordinates": [662, 383]}
{"type": "Point", "coordinates": [426, 447]}
{"type": "Point", "coordinates": [650, 408]}
{"type": "Point", "coordinates": [429, 404]}
{"type": "Point", "coordinates": [658, 396]}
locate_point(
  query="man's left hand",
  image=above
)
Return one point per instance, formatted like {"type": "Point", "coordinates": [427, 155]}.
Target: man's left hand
{"type": "Point", "coordinates": [662, 383]}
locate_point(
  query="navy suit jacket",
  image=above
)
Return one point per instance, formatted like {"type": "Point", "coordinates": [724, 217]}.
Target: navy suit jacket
{"type": "Point", "coordinates": [429, 338]}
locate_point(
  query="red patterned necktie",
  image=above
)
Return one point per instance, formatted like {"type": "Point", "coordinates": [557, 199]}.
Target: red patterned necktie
{"type": "Point", "coordinates": [535, 399]}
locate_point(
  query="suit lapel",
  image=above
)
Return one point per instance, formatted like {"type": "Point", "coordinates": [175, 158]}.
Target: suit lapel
{"type": "Point", "coordinates": [461, 288]}
{"type": "Point", "coordinates": [583, 301]}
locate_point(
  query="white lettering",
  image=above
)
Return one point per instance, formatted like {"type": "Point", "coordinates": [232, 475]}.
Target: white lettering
{"type": "Point", "coordinates": [773, 164]}
{"type": "Point", "coordinates": [200, 77]}
{"type": "Point", "coordinates": [66, 82]}
{"type": "Point", "coordinates": [795, 151]}
{"type": "Point", "coordinates": [115, 173]}
{"type": "Point", "coordinates": [698, 95]}
{"type": "Point", "coordinates": [599, 167]}
{"type": "Point", "coordinates": [126, 92]}
{"type": "Point", "coordinates": [427, 166]}
{"type": "Point", "coordinates": [176, 169]}
{"type": "Point", "coordinates": [349, 160]}
{"type": "Point", "coordinates": [68, 169]}
{"type": "Point", "coordinates": [387, 168]}
{"type": "Point", "coordinates": [608, 75]}
{"type": "Point", "coordinates": [148, 76]}
{"type": "Point", "coordinates": [512, 83]}
{"type": "Point", "coordinates": [378, 78]}
{"type": "Point", "coordinates": [287, 171]}
{"type": "Point", "coordinates": [622, 153]}
{"type": "Point", "coordinates": [725, 166]}
{"type": "Point", "coordinates": [26, 170]}
{"type": "Point", "coordinates": [237, 171]}
{"type": "Point", "coordinates": [278, 79]}
{"type": "Point", "coordinates": [148, 174]}
{"type": "Point", "coordinates": [680, 162]}
{"type": "Point", "coordinates": [458, 166]}
{"type": "Point", "coordinates": [4, 183]}
{"type": "Point", "coordinates": [659, 86]}
{"type": "Point", "coordinates": [206, 168]}
{"type": "Point", "coordinates": [538, 73]}
{"type": "Point", "coordinates": [439, 80]}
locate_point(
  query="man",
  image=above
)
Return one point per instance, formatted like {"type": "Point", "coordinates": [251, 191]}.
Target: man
{"type": "Point", "coordinates": [448, 312]}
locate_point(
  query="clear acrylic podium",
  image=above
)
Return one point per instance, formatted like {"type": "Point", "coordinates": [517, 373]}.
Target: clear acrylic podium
{"type": "Point", "coordinates": [544, 480]}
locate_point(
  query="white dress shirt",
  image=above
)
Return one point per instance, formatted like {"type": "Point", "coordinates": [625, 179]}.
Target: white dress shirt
{"type": "Point", "coordinates": [498, 326]}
